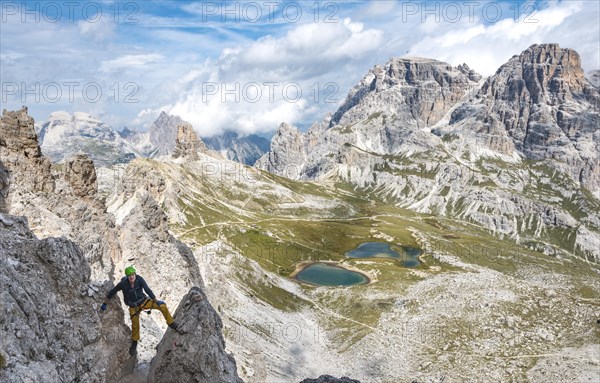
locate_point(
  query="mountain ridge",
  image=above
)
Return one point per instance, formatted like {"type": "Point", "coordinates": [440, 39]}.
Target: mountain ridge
{"type": "Point", "coordinates": [424, 135]}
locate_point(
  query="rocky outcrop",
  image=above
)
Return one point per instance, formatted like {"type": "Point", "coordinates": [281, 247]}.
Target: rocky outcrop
{"type": "Point", "coordinates": [196, 352]}
{"type": "Point", "coordinates": [288, 153]}
{"type": "Point", "coordinates": [19, 150]}
{"type": "Point", "coordinates": [330, 379]}
{"type": "Point", "coordinates": [187, 143]}
{"type": "Point", "coordinates": [473, 76]}
{"type": "Point", "coordinates": [80, 173]}
{"type": "Point", "coordinates": [163, 132]}
{"type": "Point", "coordinates": [50, 326]}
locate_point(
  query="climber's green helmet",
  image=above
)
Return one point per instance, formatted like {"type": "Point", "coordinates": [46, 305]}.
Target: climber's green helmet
{"type": "Point", "coordinates": [129, 270]}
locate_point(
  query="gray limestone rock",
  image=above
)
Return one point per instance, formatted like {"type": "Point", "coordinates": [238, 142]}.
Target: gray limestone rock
{"type": "Point", "coordinates": [196, 352]}
{"type": "Point", "coordinates": [424, 89]}
{"type": "Point", "coordinates": [288, 156]}
{"type": "Point", "coordinates": [187, 143]}
{"type": "Point", "coordinates": [594, 77]}
{"type": "Point", "coordinates": [163, 132]}
{"type": "Point", "coordinates": [51, 330]}
{"type": "Point", "coordinates": [80, 173]}
{"type": "Point", "coordinates": [19, 149]}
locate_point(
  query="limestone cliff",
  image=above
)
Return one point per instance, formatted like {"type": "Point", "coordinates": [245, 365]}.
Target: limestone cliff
{"type": "Point", "coordinates": [540, 105]}
{"type": "Point", "coordinates": [52, 198]}
{"type": "Point", "coordinates": [62, 201]}
{"type": "Point", "coordinates": [50, 326]}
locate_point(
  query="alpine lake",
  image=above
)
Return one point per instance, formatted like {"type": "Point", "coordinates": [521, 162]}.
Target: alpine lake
{"type": "Point", "coordinates": [332, 274]}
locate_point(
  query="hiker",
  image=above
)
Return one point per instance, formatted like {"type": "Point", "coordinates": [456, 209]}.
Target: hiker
{"type": "Point", "coordinates": [133, 287]}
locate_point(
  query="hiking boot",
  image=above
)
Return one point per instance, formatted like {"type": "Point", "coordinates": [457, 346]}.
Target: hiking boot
{"type": "Point", "coordinates": [133, 347]}
{"type": "Point", "coordinates": [174, 325]}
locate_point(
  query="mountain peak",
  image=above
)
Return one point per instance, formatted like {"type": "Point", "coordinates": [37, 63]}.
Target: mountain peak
{"type": "Point", "coordinates": [548, 73]}
{"type": "Point", "coordinates": [423, 88]}
{"type": "Point", "coordinates": [163, 132]}
{"type": "Point", "coordinates": [65, 134]}
{"type": "Point", "coordinates": [126, 132]}
{"type": "Point", "coordinates": [247, 149]}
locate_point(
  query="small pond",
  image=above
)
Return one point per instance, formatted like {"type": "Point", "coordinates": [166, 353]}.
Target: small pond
{"type": "Point", "coordinates": [324, 274]}
{"type": "Point", "coordinates": [409, 256]}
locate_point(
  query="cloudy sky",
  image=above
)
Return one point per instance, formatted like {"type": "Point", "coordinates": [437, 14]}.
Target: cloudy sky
{"type": "Point", "coordinates": [250, 65]}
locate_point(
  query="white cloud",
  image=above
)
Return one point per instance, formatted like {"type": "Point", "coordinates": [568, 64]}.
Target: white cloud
{"type": "Point", "coordinates": [486, 47]}
{"type": "Point", "coordinates": [378, 8]}
{"type": "Point", "coordinates": [102, 30]}
{"type": "Point", "coordinates": [170, 56]}
{"type": "Point", "coordinates": [289, 73]}
{"type": "Point", "coordinates": [129, 61]}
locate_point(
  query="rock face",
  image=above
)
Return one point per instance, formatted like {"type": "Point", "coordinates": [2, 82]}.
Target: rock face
{"type": "Point", "coordinates": [50, 326]}
{"type": "Point", "coordinates": [163, 132]}
{"type": "Point", "coordinates": [80, 173]}
{"type": "Point", "coordinates": [540, 105]}
{"type": "Point", "coordinates": [330, 379]}
{"type": "Point", "coordinates": [422, 88]}
{"type": "Point", "coordinates": [385, 113]}
{"type": "Point", "coordinates": [246, 150]}
{"type": "Point", "coordinates": [187, 143]}
{"type": "Point", "coordinates": [511, 153]}
{"type": "Point", "coordinates": [19, 149]}
{"type": "Point", "coordinates": [197, 351]}
{"type": "Point", "coordinates": [3, 188]}
{"type": "Point", "coordinates": [594, 77]}
{"type": "Point", "coordinates": [288, 154]}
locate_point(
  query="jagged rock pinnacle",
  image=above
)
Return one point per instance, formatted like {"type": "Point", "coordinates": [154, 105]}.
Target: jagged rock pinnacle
{"type": "Point", "coordinates": [187, 143]}
{"type": "Point", "coordinates": [196, 352]}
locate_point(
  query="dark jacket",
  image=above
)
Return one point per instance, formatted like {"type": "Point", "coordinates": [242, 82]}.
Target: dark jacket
{"type": "Point", "coordinates": [132, 296]}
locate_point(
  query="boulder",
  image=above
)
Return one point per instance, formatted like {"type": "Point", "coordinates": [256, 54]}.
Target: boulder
{"type": "Point", "coordinates": [196, 352]}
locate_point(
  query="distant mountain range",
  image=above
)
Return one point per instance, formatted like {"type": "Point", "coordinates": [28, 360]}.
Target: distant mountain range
{"type": "Point", "coordinates": [246, 150]}
{"type": "Point", "coordinates": [63, 135]}
{"type": "Point", "coordinates": [516, 153]}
